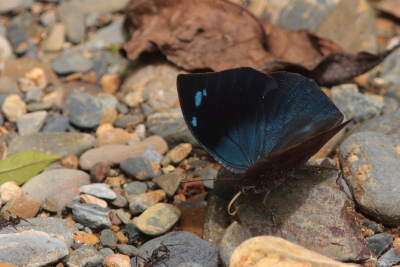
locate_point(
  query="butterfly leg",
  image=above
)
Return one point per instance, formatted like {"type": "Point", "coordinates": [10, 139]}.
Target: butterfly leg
{"type": "Point", "coordinates": [268, 209]}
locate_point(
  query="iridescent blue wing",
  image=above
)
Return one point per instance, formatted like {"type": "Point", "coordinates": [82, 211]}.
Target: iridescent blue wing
{"type": "Point", "coordinates": [241, 115]}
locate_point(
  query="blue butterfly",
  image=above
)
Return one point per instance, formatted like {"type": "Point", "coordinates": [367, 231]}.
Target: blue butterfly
{"type": "Point", "coordinates": [263, 127]}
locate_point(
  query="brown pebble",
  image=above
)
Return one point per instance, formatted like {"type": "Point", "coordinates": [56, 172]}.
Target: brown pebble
{"type": "Point", "coordinates": [194, 187]}
{"type": "Point", "coordinates": [110, 83]}
{"type": "Point", "coordinates": [115, 220]}
{"type": "Point", "coordinates": [117, 260]}
{"type": "Point", "coordinates": [104, 128]}
{"type": "Point", "coordinates": [396, 242]}
{"type": "Point", "coordinates": [86, 198]}
{"type": "Point", "coordinates": [157, 195]}
{"type": "Point", "coordinates": [86, 238]}
{"type": "Point", "coordinates": [70, 162]}
{"type": "Point", "coordinates": [24, 207]}
{"type": "Point", "coordinates": [51, 204]}
{"type": "Point", "coordinates": [9, 191]}
{"type": "Point", "coordinates": [99, 171]}
{"type": "Point", "coordinates": [122, 238]}
{"type": "Point", "coordinates": [109, 116]}
{"type": "Point", "coordinates": [179, 197]}
{"type": "Point", "coordinates": [179, 153]}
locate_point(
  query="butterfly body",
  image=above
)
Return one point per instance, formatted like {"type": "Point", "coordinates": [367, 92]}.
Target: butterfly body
{"type": "Point", "coordinates": [261, 126]}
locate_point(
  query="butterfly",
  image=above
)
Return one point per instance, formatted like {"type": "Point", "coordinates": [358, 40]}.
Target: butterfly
{"type": "Point", "coordinates": [260, 126]}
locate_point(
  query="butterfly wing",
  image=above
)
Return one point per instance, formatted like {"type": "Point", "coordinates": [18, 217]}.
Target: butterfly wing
{"type": "Point", "coordinates": [224, 112]}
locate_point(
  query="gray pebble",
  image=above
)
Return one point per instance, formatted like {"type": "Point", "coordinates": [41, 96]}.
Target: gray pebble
{"type": "Point", "coordinates": [208, 174]}
{"type": "Point", "coordinates": [91, 215]}
{"type": "Point", "coordinates": [125, 217]}
{"type": "Point", "coordinates": [108, 239]}
{"type": "Point", "coordinates": [33, 95]}
{"type": "Point", "coordinates": [379, 243]}
{"type": "Point", "coordinates": [122, 122]}
{"type": "Point", "coordinates": [128, 250]}
{"type": "Point", "coordinates": [133, 232]}
{"type": "Point", "coordinates": [31, 249]}
{"type": "Point", "coordinates": [170, 181]}
{"type": "Point", "coordinates": [63, 144]}
{"type": "Point", "coordinates": [84, 110]}
{"type": "Point", "coordinates": [37, 106]}
{"type": "Point", "coordinates": [85, 256]}
{"type": "Point", "coordinates": [71, 62]}
{"type": "Point", "coordinates": [106, 252]}
{"type": "Point", "coordinates": [370, 168]}
{"type": "Point", "coordinates": [99, 190]}
{"type": "Point", "coordinates": [120, 201]}
{"type": "Point", "coordinates": [56, 123]}
{"type": "Point", "coordinates": [139, 203]}
{"type": "Point", "coordinates": [136, 188]}
{"type": "Point", "coordinates": [152, 155]}
{"type": "Point", "coordinates": [141, 168]}
{"type": "Point", "coordinates": [184, 248]}
{"type": "Point", "coordinates": [390, 258]}
{"type": "Point", "coordinates": [31, 122]}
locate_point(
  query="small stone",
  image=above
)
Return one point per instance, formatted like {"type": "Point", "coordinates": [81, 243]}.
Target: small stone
{"type": "Point", "coordinates": [120, 202]}
{"type": "Point", "coordinates": [122, 238]}
{"type": "Point", "coordinates": [156, 195]}
{"type": "Point", "coordinates": [50, 204]}
{"type": "Point", "coordinates": [99, 190]}
{"type": "Point", "coordinates": [115, 220]}
{"type": "Point", "coordinates": [34, 95]}
{"type": "Point", "coordinates": [112, 137]}
{"type": "Point", "coordinates": [13, 107]}
{"type": "Point", "coordinates": [125, 217]}
{"type": "Point", "coordinates": [269, 250]}
{"type": "Point", "coordinates": [390, 258]}
{"type": "Point", "coordinates": [134, 99]}
{"type": "Point", "coordinates": [99, 171]}
{"type": "Point", "coordinates": [127, 120]}
{"type": "Point", "coordinates": [157, 219]}
{"type": "Point", "coordinates": [379, 243]}
{"type": "Point", "coordinates": [116, 154]}
{"type": "Point", "coordinates": [38, 76]}
{"type": "Point", "coordinates": [139, 203]}
{"type": "Point", "coordinates": [133, 232]}
{"type": "Point", "coordinates": [86, 238]}
{"type": "Point", "coordinates": [108, 239]}
{"type": "Point", "coordinates": [56, 38]}
{"type": "Point", "coordinates": [70, 162]}
{"type": "Point", "coordinates": [31, 123]}
{"type": "Point", "coordinates": [92, 216]}
{"type": "Point", "coordinates": [109, 117]}
{"type": "Point", "coordinates": [56, 123]}
{"type": "Point", "coordinates": [136, 188]}
{"type": "Point", "coordinates": [396, 242]}
{"type": "Point", "coordinates": [179, 153]}
{"type": "Point", "coordinates": [86, 198]}
{"type": "Point", "coordinates": [111, 83]}
{"type": "Point", "coordinates": [128, 250]}
{"type": "Point", "coordinates": [106, 252]}
{"type": "Point", "coordinates": [170, 182]}
{"type": "Point", "coordinates": [117, 260]}
{"type": "Point", "coordinates": [208, 174]}
{"type": "Point", "coordinates": [71, 63]}
{"type": "Point", "coordinates": [9, 191]}
{"type": "Point", "coordinates": [152, 155]}
{"type": "Point", "coordinates": [141, 168]}
{"type": "Point", "coordinates": [85, 256]}
{"type": "Point", "coordinates": [23, 207]}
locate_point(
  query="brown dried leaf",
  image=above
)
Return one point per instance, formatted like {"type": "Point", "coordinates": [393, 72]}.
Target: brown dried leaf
{"type": "Point", "coordinates": [219, 35]}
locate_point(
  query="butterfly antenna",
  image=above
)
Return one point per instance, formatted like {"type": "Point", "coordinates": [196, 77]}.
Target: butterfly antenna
{"type": "Point", "coordinates": [233, 213]}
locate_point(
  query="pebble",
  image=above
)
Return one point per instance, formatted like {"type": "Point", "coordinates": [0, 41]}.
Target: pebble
{"type": "Point", "coordinates": [63, 144]}
{"type": "Point", "coordinates": [319, 213]}
{"type": "Point", "coordinates": [63, 184]}
{"type": "Point", "coordinates": [99, 190]}
{"type": "Point", "coordinates": [379, 243]}
{"type": "Point", "coordinates": [33, 95]}
{"type": "Point", "coordinates": [9, 191]}
{"type": "Point", "coordinates": [139, 203]}
{"type": "Point", "coordinates": [270, 250]}
{"type": "Point", "coordinates": [120, 202]}
{"type": "Point", "coordinates": [13, 107]}
{"type": "Point", "coordinates": [50, 204]}
{"type": "Point", "coordinates": [171, 126]}
{"type": "Point", "coordinates": [208, 174]}
{"type": "Point", "coordinates": [390, 258]}
{"type": "Point", "coordinates": [130, 119]}
{"type": "Point", "coordinates": [84, 110]}
{"type": "Point", "coordinates": [6, 50]}
{"type": "Point", "coordinates": [152, 155]}
{"type": "Point", "coordinates": [112, 34]}
{"type": "Point", "coordinates": [136, 187]}
{"type": "Point", "coordinates": [184, 247]}
{"type": "Point", "coordinates": [114, 218]}
{"type": "Point", "coordinates": [122, 238]}
{"type": "Point", "coordinates": [116, 154]}
{"type": "Point", "coordinates": [38, 106]}
{"type": "Point", "coordinates": [157, 219]}
{"type": "Point", "coordinates": [91, 215]}
{"type": "Point", "coordinates": [106, 252]}
{"type": "Point", "coordinates": [71, 62]}
{"type": "Point", "coordinates": [55, 39]}
{"type": "Point", "coordinates": [85, 256]}
{"type": "Point", "coordinates": [108, 239]}
{"type": "Point", "coordinates": [31, 123]}
{"type": "Point", "coordinates": [85, 198]}
{"type": "Point", "coordinates": [23, 207]}
{"type": "Point", "coordinates": [113, 136]}
{"type": "Point", "coordinates": [156, 195]}
{"type": "Point", "coordinates": [70, 162]}
{"type": "Point", "coordinates": [99, 171]}
{"type": "Point", "coordinates": [117, 260]}
{"type": "Point", "coordinates": [54, 227]}
{"type": "Point", "coordinates": [356, 105]}
{"type": "Point", "coordinates": [387, 124]}
{"type": "Point", "coordinates": [133, 233]}
{"type": "Point", "coordinates": [134, 99]}
{"type": "Point", "coordinates": [86, 238]}
{"type": "Point", "coordinates": [125, 217]}
{"type": "Point", "coordinates": [38, 249]}
{"type": "Point", "coordinates": [179, 153]}
{"type": "Point", "coordinates": [141, 168]}
{"type": "Point", "coordinates": [170, 182]}
{"type": "Point", "coordinates": [128, 250]}
{"type": "Point", "coordinates": [369, 162]}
